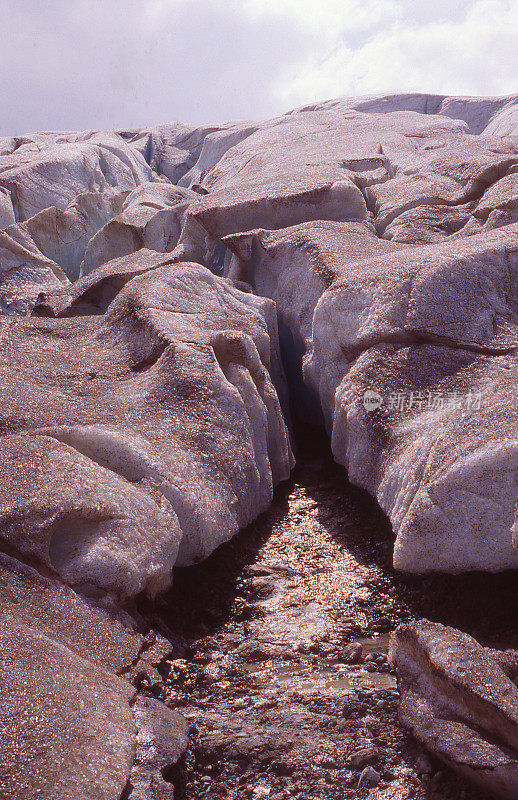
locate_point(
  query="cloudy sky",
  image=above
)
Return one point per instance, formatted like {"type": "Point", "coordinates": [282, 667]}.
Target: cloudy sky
{"type": "Point", "coordinates": [76, 64]}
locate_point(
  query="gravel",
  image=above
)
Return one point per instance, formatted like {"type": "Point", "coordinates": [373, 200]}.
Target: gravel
{"type": "Point", "coordinates": [280, 650]}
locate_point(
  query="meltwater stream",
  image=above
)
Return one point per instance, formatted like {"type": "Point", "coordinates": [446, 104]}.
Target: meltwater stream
{"type": "Point", "coordinates": [281, 638]}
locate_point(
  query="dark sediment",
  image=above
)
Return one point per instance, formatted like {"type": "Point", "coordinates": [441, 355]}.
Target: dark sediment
{"type": "Point", "coordinates": [266, 664]}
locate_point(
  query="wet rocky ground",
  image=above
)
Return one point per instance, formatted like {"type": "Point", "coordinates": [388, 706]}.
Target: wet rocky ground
{"type": "Point", "coordinates": [280, 650]}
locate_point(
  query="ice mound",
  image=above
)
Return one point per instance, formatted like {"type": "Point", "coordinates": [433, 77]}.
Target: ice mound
{"type": "Point", "coordinates": [142, 437]}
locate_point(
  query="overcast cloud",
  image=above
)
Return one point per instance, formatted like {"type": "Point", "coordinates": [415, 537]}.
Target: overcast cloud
{"type": "Point", "coordinates": [76, 64]}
